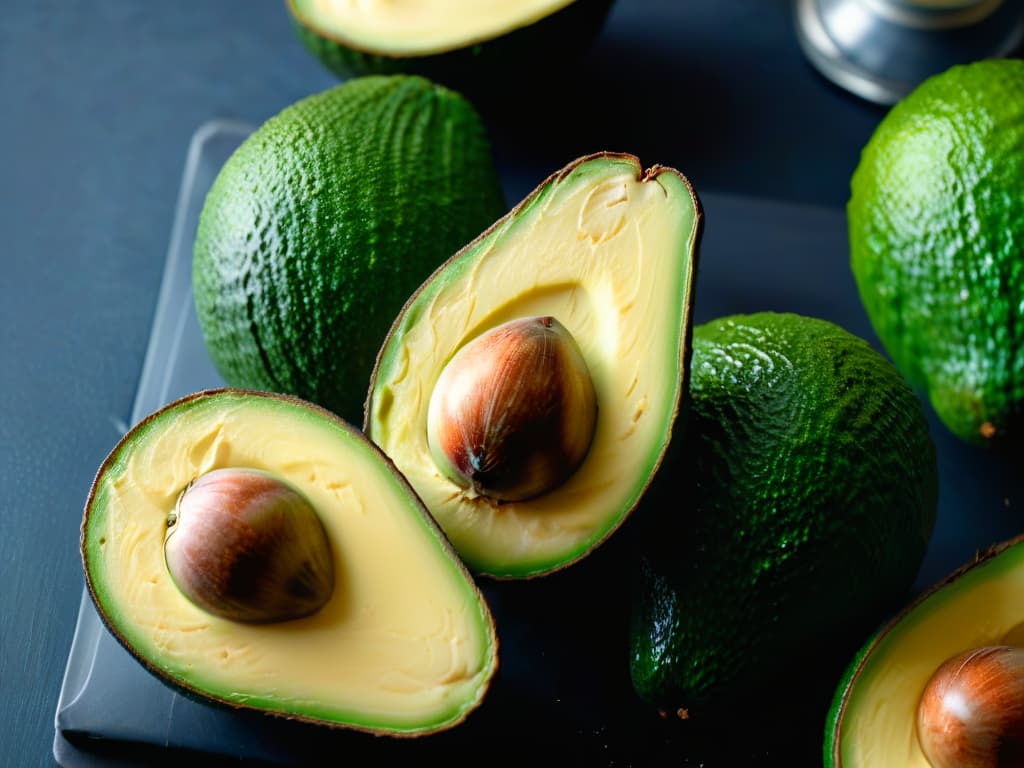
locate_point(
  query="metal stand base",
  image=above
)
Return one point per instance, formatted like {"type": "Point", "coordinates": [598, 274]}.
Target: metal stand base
{"type": "Point", "coordinates": [881, 49]}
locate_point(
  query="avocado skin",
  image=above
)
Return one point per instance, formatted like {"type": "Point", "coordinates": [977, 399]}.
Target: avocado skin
{"type": "Point", "coordinates": [939, 271]}
{"type": "Point", "coordinates": [809, 493]}
{"type": "Point", "coordinates": [325, 220]}
{"type": "Point", "coordinates": [522, 57]}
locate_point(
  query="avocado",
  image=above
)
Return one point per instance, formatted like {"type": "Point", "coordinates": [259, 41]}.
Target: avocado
{"type": "Point", "coordinates": [608, 251]}
{"type": "Point", "coordinates": [936, 230]}
{"type": "Point", "coordinates": [321, 224]}
{"type": "Point", "coordinates": [398, 640]}
{"type": "Point", "coordinates": [874, 714]}
{"type": "Point", "coordinates": [477, 48]}
{"type": "Point", "coordinates": [803, 496]}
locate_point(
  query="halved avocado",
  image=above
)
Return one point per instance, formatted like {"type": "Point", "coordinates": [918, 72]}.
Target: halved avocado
{"type": "Point", "coordinates": [461, 43]}
{"type": "Point", "coordinates": [873, 717]}
{"type": "Point", "coordinates": [609, 251]}
{"type": "Point", "coordinates": [404, 645]}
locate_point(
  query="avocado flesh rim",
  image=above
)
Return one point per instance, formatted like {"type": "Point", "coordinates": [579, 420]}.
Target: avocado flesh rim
{"type": "Point", "coordinates": [420, 27]}
{"type": "Point", "coordinates": [405, 645]}
{"type": "Point", "coordinates": [608, 250]}
{"type": "Point", "coordinates": [978, 605]}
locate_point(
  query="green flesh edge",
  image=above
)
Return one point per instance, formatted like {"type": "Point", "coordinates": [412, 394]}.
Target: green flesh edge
{"type": "Point", "coordinates": [391, 364]}
{"type": "Point", "coordinates": [937, 614]}
{"type": "Point", "coordinates": [486, 69]}
{"type": "Point", "coordinates": [118, 616]}
{"type": "Point", "coordinates": [326, 26]}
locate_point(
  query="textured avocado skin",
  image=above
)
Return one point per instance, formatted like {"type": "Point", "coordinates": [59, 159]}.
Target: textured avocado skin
{"type": "Point", "coordinates": [324, 221]}
{"type": "Point", "coordinates": [805, 496]}
{"type": "Point", "coordinates": [936, 218]}
{"type": "Point", "coordinates": [521, 56]}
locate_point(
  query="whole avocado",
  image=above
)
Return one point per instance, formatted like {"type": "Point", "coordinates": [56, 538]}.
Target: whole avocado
{"type": "Point", "coordinates": [809, 495]}
{"type": "Point", "coordinates": [936, 229]}
{"type": "Point", "coordinates": [324, 221]}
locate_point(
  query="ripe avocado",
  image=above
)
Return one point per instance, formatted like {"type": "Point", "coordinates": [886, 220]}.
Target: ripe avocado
{"type": "Point", "coordinates": [465, 44]}
{"type": "Point", "coordinates": [804, 496]}
{"type": "Point", "coordinates": [609, 251]}
{"type": "Point", "coordinates": [323, 222]}
{"type": "Point", "coordinates": [873, 715]}
{"type": "Point", "coordinates": [404, 645]}
{"type": "Point", "coordinates": [936, 228]}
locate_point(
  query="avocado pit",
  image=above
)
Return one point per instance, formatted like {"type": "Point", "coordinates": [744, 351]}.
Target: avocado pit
{"type": "Point", "coordinates": [246, 546]}
{"type": "Point", "coordinates": [514, 412]}
{"type": "Point", "coordinates": [971, 713]}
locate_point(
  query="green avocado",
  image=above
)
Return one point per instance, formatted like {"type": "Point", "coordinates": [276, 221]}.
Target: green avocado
{"type": "Point", "coordinates": [323, 222]}
{"type": "Point", "coordinates": [565, 324]}
{"type": "Point", "coordinates": [475, 47]}
{"type": "Point", "coordinates": [874, 714]}
{"type": "Point", "coordinates": [936, 229]}
{"type": "Point", "coordinates": [399, 641]}
{"type": "Point", "coordinates": [803, 497]}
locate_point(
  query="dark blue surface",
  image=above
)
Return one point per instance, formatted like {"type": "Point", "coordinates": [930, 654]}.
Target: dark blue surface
{"type": "Point", "coordinates": [563, 672]}
{"type": "Point", "coordinates": [100, 101]}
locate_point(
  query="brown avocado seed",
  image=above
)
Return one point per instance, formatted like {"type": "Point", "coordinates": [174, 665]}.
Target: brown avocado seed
{"type": "Point", "coordinates": [244, 545]}
{"type": "Point", "coordinates": [513, 413]}
{"type": "Point", "coordinates": [971, 714]}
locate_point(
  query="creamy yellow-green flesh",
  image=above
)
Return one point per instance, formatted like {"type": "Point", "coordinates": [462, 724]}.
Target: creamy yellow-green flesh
{"type": "Point", "coordinates": [417, 27]}
{"type": "Point", "coordinates": [610, 256]}
{"type": "Point", "coordinates": [404, 644]}
{"type": "Point", "coordinates": [982, 607]}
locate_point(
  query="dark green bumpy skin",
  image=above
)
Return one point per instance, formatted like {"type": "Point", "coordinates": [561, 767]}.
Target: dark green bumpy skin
{"type": "Point", "coordinates": [805, 496]}
{"type": "Point", "coordinates": [325, 221]}
{"type": "Point", "coordinates": [489, 68]}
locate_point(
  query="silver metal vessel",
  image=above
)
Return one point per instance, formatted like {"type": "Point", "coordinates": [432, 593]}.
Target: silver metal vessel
{"type": "Point", "coordinates": [881, 49]}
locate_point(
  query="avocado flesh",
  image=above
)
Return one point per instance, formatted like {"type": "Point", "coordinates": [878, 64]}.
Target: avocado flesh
{"type": "Point", "coordinates": [874, 714]}
{"type": "Point", "coordinates": [419, 27]}
{"type": "Point", "coordinates": [609, 251]}
{"type": "Point", "coordinates": [404, 645]}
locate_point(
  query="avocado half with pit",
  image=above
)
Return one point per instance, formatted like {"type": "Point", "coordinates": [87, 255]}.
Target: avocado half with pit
{"type": "Point", "coordinates": [874, 719]}
{"type": "Point", "coordinates": [461, 43]}
{"type": "Point", "coordinates": [256, 551]}
{"type": "Point", "coordinates": [566, 323]}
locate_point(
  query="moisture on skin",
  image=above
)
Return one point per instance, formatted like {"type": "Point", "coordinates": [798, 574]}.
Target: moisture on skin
{"type": "Point", "coordinates": [809, 472]}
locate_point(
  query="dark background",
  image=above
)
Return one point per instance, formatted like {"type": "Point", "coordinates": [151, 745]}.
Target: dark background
{"type": "Point", "coordinates": [99, 101]}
